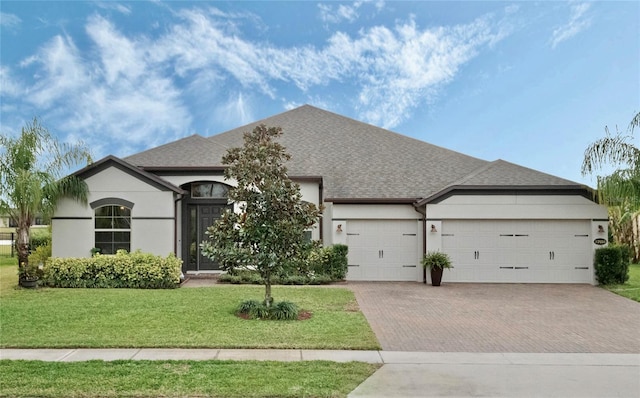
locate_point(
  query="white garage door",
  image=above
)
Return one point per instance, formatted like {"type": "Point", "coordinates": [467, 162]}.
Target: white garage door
{"type": "Point", "coordinates": [540, 251]}
{"type": "Point", "coordinates": [388, 250]}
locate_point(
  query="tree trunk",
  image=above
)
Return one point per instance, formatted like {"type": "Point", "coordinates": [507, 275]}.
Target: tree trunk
{"type": "Point", "coordinates": [268, 300]}
{"type": "Point", "coordinates": [22, 245]}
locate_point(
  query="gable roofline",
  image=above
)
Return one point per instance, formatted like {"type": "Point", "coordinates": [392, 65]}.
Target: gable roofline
{"type": "Point", "coordinates": [581, 190]}
{"type": "Point", "coordinates": [144, 176]}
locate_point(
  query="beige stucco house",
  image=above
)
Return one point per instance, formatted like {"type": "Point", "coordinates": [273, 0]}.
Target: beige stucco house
{"type": "Point", "coordinates": [389, 197]}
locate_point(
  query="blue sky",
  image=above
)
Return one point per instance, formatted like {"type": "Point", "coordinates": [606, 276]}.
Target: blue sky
{"type": "Point", "coordinates": [529, 82]}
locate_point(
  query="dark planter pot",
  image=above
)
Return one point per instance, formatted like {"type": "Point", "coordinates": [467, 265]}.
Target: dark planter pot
{"type": "Point", "coordinates": [436, 276]}
{"type": "Point", "coordinates": [29, 283]}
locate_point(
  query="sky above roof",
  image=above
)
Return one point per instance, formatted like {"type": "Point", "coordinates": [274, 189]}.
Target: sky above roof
{"type": "Point", "coordinates": [533, 83]}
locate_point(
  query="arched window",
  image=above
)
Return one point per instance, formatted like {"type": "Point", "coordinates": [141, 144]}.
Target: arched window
{"type": "Point", "coordinates": [209, 190]}
{"type": "Point", "coordinates": [112, 226]}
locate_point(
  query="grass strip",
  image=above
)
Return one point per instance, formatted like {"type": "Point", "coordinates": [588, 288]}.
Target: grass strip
{"type": "Point", "coordinates": [181, 378]}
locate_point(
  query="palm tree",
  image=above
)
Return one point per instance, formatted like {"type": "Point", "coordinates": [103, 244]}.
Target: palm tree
{"type": "Point", "coordinates": [621, 189]}
{"type": "Point", "coordinates": [30, 185]}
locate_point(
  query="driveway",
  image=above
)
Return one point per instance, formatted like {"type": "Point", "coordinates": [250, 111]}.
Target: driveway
{"type": "Point", "coordinates": [532, 318]}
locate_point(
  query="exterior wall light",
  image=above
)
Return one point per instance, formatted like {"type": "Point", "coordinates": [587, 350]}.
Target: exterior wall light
{"type": "Point", "coordinates": [600, 229]}
{"type": "Point", "coordinates": [339, 229]}
{"type": "Point", "coordinates": [433, 228]}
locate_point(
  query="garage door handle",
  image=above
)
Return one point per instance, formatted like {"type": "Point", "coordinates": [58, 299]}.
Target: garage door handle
{"type": "Point", "coordinates": [408, 266]}
{"type": "Point", "coordinates": [353, 265]}
{"type": "Point", "coordinates": [351, 234]}
{"type": "Point", "coordinates": [580, 267]}
{"type": "Point", "coordinates": [521, 267]}
{"type": "Point", "coordinates": [506, 267]}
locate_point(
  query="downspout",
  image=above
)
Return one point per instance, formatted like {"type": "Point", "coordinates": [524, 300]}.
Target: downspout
{"type": "Point", "coordinates": [320, 206]}
{"type": "Point", "coordinates": [424, 237]}
{"type": "Point", "coordinates": [175, 223]}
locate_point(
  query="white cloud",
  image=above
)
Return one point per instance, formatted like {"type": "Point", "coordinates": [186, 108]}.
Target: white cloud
{"type": "Point", "coordinates": [124, 89]}
{"type": "Point", "coordinates": [109, 5]}
{"type": "Point", "coordinates": [394, 69]}
{"type": "Point", "coordinates": [10, 21]}
{"type": "Point", "coordinates": [8, 85]}
{"type": "Point", "coordinates": [331, 14]}
{"type": "Point", "coordinates": [236, 110]}
{"type": "Point", "coordinates": [578, 22]}
{"type": "Point", "coordinates": [117, 99]}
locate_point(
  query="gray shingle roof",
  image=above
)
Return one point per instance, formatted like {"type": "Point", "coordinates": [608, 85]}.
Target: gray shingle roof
{"type": "Point", "coordinates": [355, 159]}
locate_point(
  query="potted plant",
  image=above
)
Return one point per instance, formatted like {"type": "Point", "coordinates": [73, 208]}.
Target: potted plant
{"type": "Point", "coordinates": [28, 275]}
{"type": "Point", "coordinates": [436, 261]}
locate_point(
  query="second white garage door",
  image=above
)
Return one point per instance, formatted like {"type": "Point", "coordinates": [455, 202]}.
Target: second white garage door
{"type": "Point", "coordinates": [531, 251]}
{"type": "Point", "coordinates": [384, 250]}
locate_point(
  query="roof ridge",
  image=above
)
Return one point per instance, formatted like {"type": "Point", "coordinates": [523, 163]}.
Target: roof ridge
{"type": "Point", "coordinates": [474, 173]}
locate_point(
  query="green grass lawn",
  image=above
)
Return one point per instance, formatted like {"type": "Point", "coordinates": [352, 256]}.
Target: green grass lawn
{"type": "Point", "coordinates": [186, 317]}
{"type": "Point", "coordinates": [181, 378]}
{"type": "Point", "coordinates": [7, 260]}
{"type": "Point", "coordinates": [630, 289]}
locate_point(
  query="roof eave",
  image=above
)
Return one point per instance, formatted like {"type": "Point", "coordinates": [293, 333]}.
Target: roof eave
{"type": "Point", "coordinates": [363, 201]}
{"type": "Point", "coordinates": [128, 168]}
{"type": "Point", "coordinates": [581, 190]}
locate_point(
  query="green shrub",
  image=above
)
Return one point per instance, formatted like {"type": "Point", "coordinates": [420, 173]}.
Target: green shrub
{"type": "Point", "coordinates": [245, 277]}
{"type": "Point", "coordinates": [247, 306]}
{"type": "Point", "coordinates": [284, 310]}
{"type": "Point", "coordinates": [260, 312]}
{"type": "Point", "coordinates": [612, 265]}
{"type": "Point", "coordinates": [39, 237]}
{"type": "Point", "coordinates": [123, 270]}
{"type": "Point", "coordinates": [322, 265]}
{"type": "Point", "coordinates": [330, 261]}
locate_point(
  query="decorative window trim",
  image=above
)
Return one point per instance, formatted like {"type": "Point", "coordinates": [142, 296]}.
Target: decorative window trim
{"type": "Point", "coordinates": [111, 201]}
{"type": "Point", "coordinates": [122, 231]}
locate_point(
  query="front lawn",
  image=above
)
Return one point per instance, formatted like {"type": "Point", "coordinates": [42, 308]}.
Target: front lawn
{"type": "Point", "coordinates": [181, 378]}
{"type": "Point", "coordinates": [631, 289]}
{"type": "Point", "coordinates": [186, 317]}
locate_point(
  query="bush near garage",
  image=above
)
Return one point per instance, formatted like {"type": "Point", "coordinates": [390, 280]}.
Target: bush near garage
{"type": "Point", "coordinates": [123, 270]}
{"type": "Point", "coordinates": [323, 265]}
{"type": "Point", "coordinates": [612, 264]}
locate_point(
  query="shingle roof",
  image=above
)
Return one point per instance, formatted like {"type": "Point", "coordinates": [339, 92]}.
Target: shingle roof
{"type": "Point", "coordinates": [355, 159]}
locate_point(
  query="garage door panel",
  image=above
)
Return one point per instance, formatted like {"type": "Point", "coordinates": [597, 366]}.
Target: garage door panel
{"type": "Point", "coordinates": [539, 251]}
{"type": "Point", "coordinates": [384, 250]}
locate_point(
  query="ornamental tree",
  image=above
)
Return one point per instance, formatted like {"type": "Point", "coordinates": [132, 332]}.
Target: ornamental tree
{"type": "Point", "coordinates": [620, 190]}
{"type": "Point", "coordinates": [266, 230]}
{"type": "Point", "coordinates": [31, 166]}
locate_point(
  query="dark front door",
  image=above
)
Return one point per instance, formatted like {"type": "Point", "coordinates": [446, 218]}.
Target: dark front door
{"type": "Point", "coordinates": [201, 216]}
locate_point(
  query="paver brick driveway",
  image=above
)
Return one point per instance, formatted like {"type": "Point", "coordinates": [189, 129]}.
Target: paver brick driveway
{"type": "Point", "coordinates": [409, 316]}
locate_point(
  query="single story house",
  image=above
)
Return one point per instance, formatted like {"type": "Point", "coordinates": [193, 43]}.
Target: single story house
{"type": "Point", "coordinates": [389, 197]}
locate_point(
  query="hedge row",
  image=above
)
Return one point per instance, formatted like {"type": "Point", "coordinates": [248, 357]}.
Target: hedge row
{"type": "Point", "coordinates": [123, 270]}
{"type": "Point", "coordinates": [321, 265]}
{"type": "Point", "coordinates": [246, 277]}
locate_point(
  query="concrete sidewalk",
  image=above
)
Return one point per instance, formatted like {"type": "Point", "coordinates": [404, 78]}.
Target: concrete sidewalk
{"type": "Point", "coordinates": [420, 374]}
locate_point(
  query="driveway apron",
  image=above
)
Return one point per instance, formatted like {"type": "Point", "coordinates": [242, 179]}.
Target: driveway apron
{"type": "Point", "coordinates": [533, 318]}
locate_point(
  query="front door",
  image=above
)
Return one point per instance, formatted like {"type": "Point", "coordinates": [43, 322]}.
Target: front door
{"type": "Point", "coordinates": [201, 217]}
